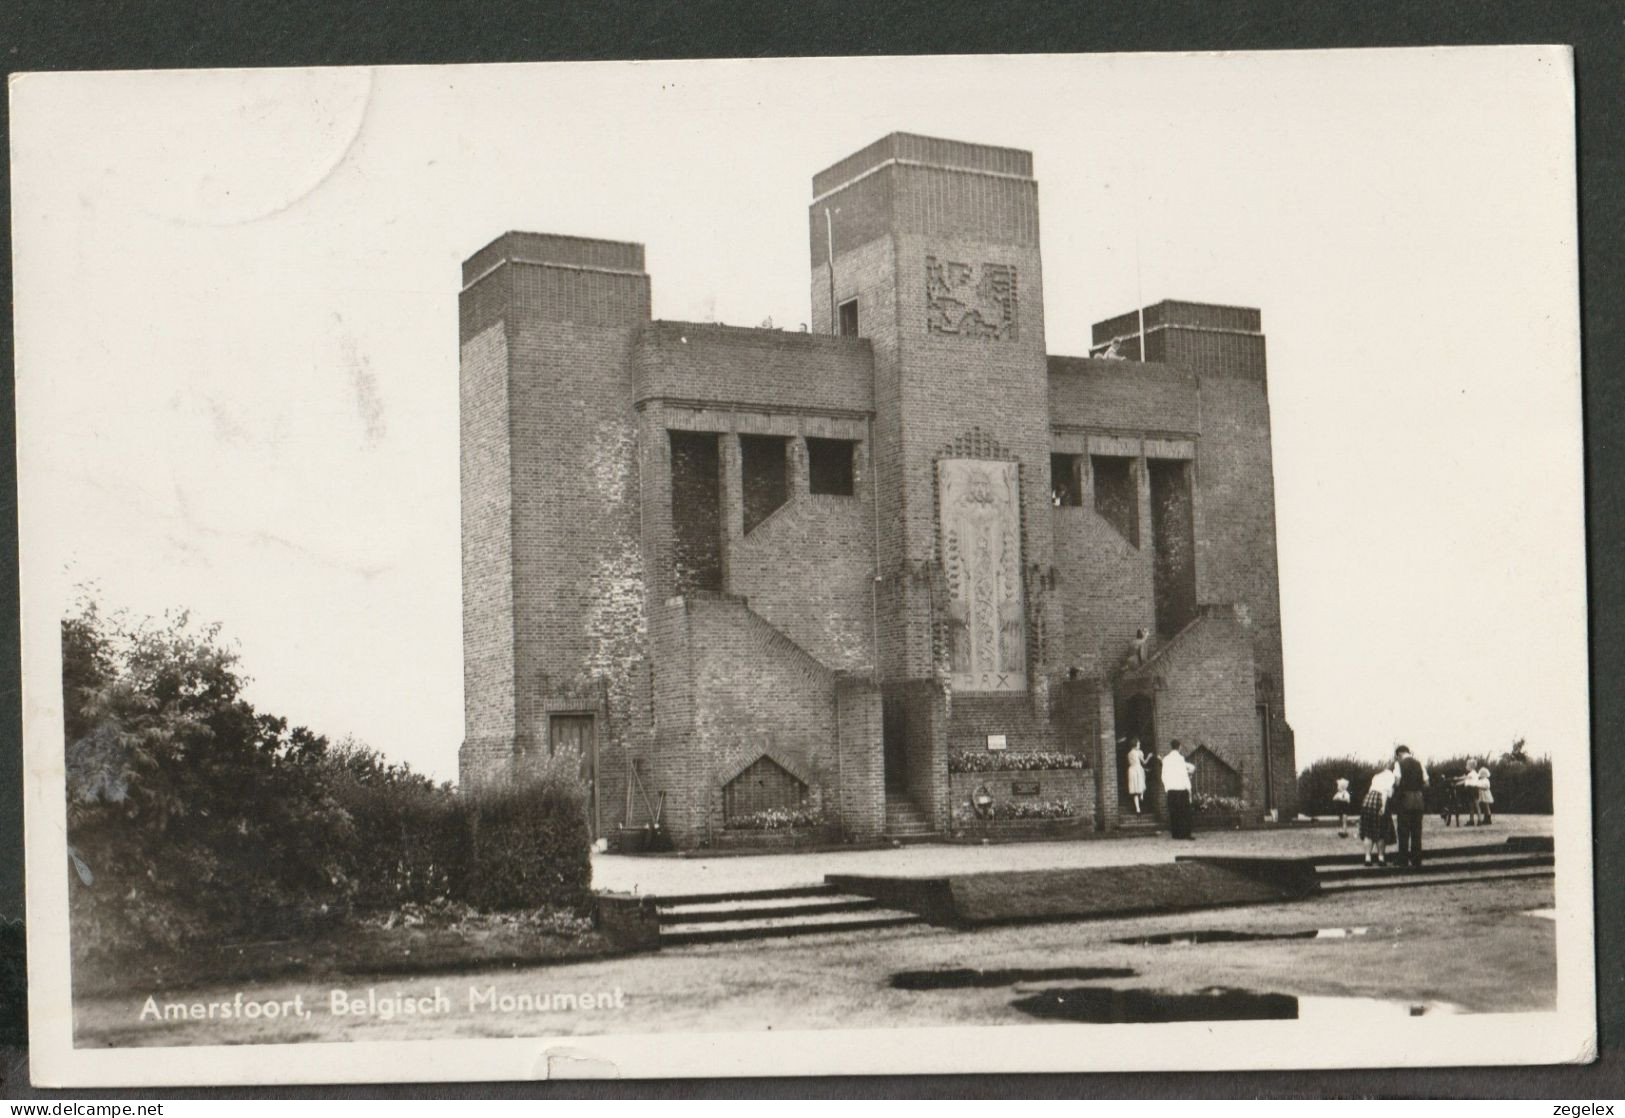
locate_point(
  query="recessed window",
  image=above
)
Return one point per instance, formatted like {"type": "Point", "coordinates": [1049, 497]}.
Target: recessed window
{"type": "Point", "coordinates": [1065, 480]}
{"type": "Point", "coordinates": [847, 313]}
{"type": "Point", "coordinates": [764, 476]}
{"type": "Point", "coordinates": [829, 466]}
{"type": "Point", "coordinates": [1117, 497]}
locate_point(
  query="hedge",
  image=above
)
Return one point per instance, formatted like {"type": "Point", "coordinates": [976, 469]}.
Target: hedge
{"type": "Point", "coordinates": [1521, 785]}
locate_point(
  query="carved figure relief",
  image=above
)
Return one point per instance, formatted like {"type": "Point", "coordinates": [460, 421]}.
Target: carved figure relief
{"type": "Point", "coordinates": [981, 559]}
{"type": "Point", "coordinates": [970, 301]}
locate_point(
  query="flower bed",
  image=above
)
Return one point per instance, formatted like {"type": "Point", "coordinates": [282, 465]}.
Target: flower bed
{"type": "Point", "coordinates": [776, 819]}
{"type": "Point", "coordinates": [1207, 802]}
{"type": "Point", "coordinates": [776, 838]}
{"type": "Point", "coordinates": [1034, 809]}
{"type": "Point", "coordinates": [971, 761]}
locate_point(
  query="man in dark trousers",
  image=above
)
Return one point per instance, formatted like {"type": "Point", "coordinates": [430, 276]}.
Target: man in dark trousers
{"type": "Point", "coordinates": [1176, 787]}
{"type": "Point", "coordinates": [1410, 781]}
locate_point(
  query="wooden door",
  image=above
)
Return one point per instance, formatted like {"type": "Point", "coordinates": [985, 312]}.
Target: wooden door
{"type": "Point", "coordinates": [575, 732]}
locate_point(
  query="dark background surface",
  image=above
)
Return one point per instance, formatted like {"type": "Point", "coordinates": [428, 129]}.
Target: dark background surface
{"type": "Point", "coordinates": [60, 35]}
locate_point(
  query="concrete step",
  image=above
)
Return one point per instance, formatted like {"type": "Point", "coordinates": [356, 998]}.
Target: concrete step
{"type": "Point", "coordinates": [764, 910]}
{"type": "Point", "coordinates": [754, 928]}
{"type": "Point", "coordinates": [915, 827]}
{"type": "Point", "coordinates": [1442, 864]}
{"type": "Point", "coordinates": [1523, 844]}
{"type": "Point", "coordinates": [1394, 879]}
{"type": "Point", "coordinates": [673, 900]}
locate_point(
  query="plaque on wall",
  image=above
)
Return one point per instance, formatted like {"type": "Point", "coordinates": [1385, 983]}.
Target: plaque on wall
{"type": "Point", "coordinates": [981, 560]}
{"type": "Point", "coordinates": [995, 741]}
{"type": "Point", "coordinates": [1024, 787]}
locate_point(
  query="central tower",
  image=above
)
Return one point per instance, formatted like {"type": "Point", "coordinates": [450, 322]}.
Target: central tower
{"type": "Point", "coordinates": [929, 248]}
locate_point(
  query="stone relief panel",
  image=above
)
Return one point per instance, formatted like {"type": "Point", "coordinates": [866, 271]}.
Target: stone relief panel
{"type": "Point", "coordinates": [970, 300]}
{"type": "Point", "coordinates": [981, 560]}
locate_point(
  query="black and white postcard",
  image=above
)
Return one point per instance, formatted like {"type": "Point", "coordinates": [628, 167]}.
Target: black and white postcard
{"type": "Point", "coordinates": [673, 569]}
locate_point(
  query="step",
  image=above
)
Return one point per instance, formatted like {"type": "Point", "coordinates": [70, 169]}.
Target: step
{"type": "Point", "coordinates": [668, 900]}
{"type": "Point", "coordinates": [1445, 864]}
{"type": "Point", "coordinates": [776, 928]}
{"type": "Point", "coordinates": [723, 914]}
{"type": "Point", "coordinates": [919, 827]}
{"type": "Point", "coordinates": [1479, 850]}
{"type": "Point", "coordinates": [1394, 880]}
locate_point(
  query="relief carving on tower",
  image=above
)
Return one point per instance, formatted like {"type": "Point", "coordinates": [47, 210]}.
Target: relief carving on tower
{"type": "Point", "coordinates": [971, 301]}
{"type": "Point", "coordinates": [981, 560]}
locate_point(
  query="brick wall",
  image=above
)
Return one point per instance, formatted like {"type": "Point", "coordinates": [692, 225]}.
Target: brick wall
{"type": "Point", "coordinates": [1203, 685]}
{"type": "Point", "coordinates": [560, 411]}
{"type": "Point", "coordinates": [487, 559]}
{"type": "Point", "coordinates": [732, 687]}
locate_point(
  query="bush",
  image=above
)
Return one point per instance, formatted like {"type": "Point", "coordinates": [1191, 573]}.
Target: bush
{"type": "Point", "coordinates": [411, 842]}
{"type": "Point", "coordinates": [531, 845]}
{"type": "Point", "coordinates": [1521, 785]}
{"type": "Point", "coordinates": [193, 817]}
{"type": "Point", "coordinates": [975, 761]}
{"type": "Point", "coordinates": [1318, 782]}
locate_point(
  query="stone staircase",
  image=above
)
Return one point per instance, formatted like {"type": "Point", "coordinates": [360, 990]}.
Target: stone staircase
{"type": "Point", "coordinates": [1135, 824]}
{"type": "Point", "coordinates": [771, 913]}
{"type": "Point", "coordinates": [905, 821]}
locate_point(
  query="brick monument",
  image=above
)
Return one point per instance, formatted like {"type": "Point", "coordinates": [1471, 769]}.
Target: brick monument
{"type": "Point", "coordinates": [827, 574]}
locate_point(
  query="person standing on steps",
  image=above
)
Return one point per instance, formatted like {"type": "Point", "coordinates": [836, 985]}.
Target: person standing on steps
{"type": "Point", "coordinates": [1136, 774]}
{"type": "Point", "coordinates": [1176, 786]}
{"type": "Point", "coordinates": [1376, 825]}
{"type": "Point", "coordinates": [1410, 783]}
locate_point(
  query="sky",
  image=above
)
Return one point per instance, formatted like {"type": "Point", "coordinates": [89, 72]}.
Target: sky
{"type": "Point", "coordinates": [236, 317]}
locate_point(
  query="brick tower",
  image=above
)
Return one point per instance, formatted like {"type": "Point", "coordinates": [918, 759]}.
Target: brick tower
{"type": "Point", "coordinates": [936, 262]}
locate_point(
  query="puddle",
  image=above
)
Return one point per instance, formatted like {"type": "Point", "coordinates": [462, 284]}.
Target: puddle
{"type": "Point", "coordinates": [968, 978]}
{"type": "Point", "coordinates": [1225, 935]}
{"type": "Point", "coordinates": [1543, 913]}
{"type": "Point", "coordinates": [1106, 1006]}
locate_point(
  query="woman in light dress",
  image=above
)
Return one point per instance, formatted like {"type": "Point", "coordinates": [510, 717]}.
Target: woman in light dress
{"type": "Point", "coordinates": [1136, 774]}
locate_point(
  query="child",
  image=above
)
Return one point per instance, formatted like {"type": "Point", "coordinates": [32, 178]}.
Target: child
{"type": "Point", "coordinates": [1341, 799]}
{"type": "Point", "coordinates": [1485, 796]}
{"type": "Point", "coordinates": [1376, 825]}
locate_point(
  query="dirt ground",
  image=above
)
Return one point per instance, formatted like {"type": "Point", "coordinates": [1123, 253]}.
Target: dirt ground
{"type": "Point", "coordinates": [1469, 946]}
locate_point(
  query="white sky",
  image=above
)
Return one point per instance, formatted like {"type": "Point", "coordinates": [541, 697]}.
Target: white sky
{"type": "Point", "coordinates": [237, 332]}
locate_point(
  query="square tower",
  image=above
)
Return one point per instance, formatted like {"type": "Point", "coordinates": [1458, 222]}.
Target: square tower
{"type": "Point", "coordinates": [929, 249]}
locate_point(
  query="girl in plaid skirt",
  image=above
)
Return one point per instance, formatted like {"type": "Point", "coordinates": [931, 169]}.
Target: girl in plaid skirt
{"type": "Point", "coordinates": [1376, 825]}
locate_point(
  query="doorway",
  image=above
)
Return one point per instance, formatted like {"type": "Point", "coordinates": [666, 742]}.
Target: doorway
{"type": "Point", "coordinates": [1136, 718]}
{"type": "Point", "coordinates": [576, 732]}
{"type": "Point", "coordinates": [894, 747]}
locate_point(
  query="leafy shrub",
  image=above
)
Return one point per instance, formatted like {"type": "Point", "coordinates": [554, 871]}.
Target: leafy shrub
{"type": "Point", "coordinates": [1209, 801]}
{"type": "Point", "coordinates": [974, 761]}
{"type": "Point", "coordinates": [411, 841]}
{"type": "Point", "coordinates": [193, 817]}
{"type": "Point", "coordinates": [1520, 784]}
{"type": "Point", "coordinates": [531, 844]}
{"type": "Point", "coordinates": [776, 819]}
{"type": "Point", "coordinates": [1318, 782]}
{"type": "Point", "coordinates": [190, 813]}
